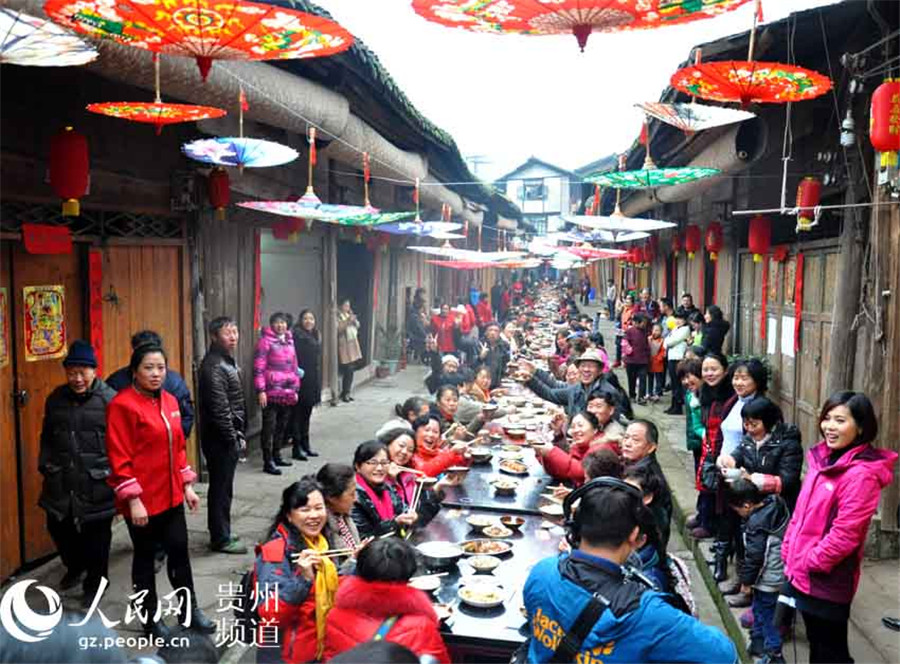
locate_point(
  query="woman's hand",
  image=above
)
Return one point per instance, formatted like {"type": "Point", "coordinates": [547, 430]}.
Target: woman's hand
{"type": "Point", "coordinates": [407, 518]}
{"type": "Point", "coordinates": [558, 422]}
{"type": "Point", "coordinates": [191, 498]}
{"type": "Point", "coordinates": [561, 491]}
{"type": "Point", "coordinates": [362, 545]}
{"type": "Point", "coordinates": [564, 546]}
{"type": "Point", "coordinates": [393, 470]}
{"type": "Point", "coordinates": [499, 392]}
{"type": "Point", "coordinates": [308, 561]}
{"type": "Point", "coordinates": [460, 447]}
{"type": "Point", "coordinates": [138, 512]}
{"type": "Point", "coordinates": [263, 401]}
{"type": "Point", "coordinates": [543, 448]}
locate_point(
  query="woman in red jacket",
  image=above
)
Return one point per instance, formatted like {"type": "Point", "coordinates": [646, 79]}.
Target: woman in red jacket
{"type": "Point", "coordinates": [297, 584]}
{"type": "Point", "coordinates": [378, 601]}
{"type": "Point", "coordinates": [431, 456]}
{"type": "Point", "coordinates": [442, 327]}
{"type": "Point", "coordinates": [152, 480]}
{"type": "Point", "coordinates": [588, 434]}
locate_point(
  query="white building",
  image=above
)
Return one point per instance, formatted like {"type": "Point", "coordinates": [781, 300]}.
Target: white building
{"type": "Point", "coordinates": [543, 192]}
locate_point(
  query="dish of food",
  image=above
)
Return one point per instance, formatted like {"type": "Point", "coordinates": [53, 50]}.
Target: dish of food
{"type": "Point", "coordinates": [511, 456]}
{"type": "Point", "coordinates": [518, 432]}
{"type": "Point", "coordinates": [551, 509]}
{"type": "Point", "coordinates": [482, 595]}
{"type": "Point", "coordinates": [496, 437]}
{"type": "Point", "coordinates": [505, 486]}
{"type": "Point", "coordinates": [486, 547]}
{"type": "Point", "coordinates": [479, 521]}
{"type": "Point", "coordinates": [512, 522]}
{"type": "Point", "coordinates": [457, 470]}
{"type": "Point", "coordinates": [480, 454]}
{"type": "Point", "coordinates": [484, 563]}
{"type": "Point", "coordinates": [511, 448]}
{"type": "Point", "coordinates": [443, 611]}
{"type": "Point", "coordinates": [513, 467]}
{"type": "Point", "coordinates": [428, 583]}
{"type": "Point", "coordinates": [497, 531]}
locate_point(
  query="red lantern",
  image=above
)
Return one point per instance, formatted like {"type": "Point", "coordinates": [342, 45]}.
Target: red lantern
{"type": "Point", "coordinates": [884, 121]}
{"type": "Point", "coordinates": [808, 195]}
{"type": "Point", "coordinates": [639, 257]}
{"type": "Point", "coordinates": [780, 253]}
{"type": "Point", "coordinates": [218, 189]}
{"type": "Point", "coordinates": [677, 244]}
{"type": "Point", "coordinates": [69, 169]}
{"type": "Point", "coordinates": [760, 237]}
{"type": "Point", "coordinates": [713, 240]}
{"type": "Point", "coordinates": [692, 240]}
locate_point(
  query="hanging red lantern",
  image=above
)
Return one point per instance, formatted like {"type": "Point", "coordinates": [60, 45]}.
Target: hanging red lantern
{"type": "Point", "coordinates": [780, 253]}
{"type": "Point", "coordinates": [677, 244]}
{"type": "Point", "coordinates": [884, 121]}
{"type": "Point", "coordinates": [759, 239]}
{"type": "Point", "coordinates": [809, 193]}
{"type": "Point", "coordinates": [218, 189]}
{"type": "Point", "coordinates": [692, 240]}
{"type": "Point", "coordinates": [69, 169]}
{"type": "Point", "coordinates": [651, 248]}
{"type": "Point", "coordinates": [638, 255]}
{"type": "Point", "coordinates": [713, 240]}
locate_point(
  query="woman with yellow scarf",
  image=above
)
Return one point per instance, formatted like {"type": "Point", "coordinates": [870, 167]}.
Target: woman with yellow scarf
{"type": "Point", "coordinates": [290, 564]}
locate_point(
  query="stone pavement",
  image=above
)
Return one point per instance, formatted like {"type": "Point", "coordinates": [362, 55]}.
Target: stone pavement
{"type": "Point", "coordinates": [879, 589]}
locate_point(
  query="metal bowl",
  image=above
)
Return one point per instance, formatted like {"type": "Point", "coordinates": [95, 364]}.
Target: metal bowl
{"type": "Point", "coordinates": [440, 554]}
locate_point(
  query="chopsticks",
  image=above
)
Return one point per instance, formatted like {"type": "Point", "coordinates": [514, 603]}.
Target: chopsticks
{"type": "Point", "coordinates": [410, 470]}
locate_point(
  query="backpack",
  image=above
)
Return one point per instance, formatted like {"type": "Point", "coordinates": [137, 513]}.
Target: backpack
{"type": "Point", "coordinates": [681, 580]}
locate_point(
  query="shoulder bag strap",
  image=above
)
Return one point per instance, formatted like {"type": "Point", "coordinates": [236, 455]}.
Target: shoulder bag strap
{"type": "Point", "coordinates": [570, 644]}
{"type": "Point", "coordinates": [385, 628]}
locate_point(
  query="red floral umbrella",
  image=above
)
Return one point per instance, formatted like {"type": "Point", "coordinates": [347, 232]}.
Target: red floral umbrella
{"type": "Point", "coordinates": [750, 82]}
{"type": "Point", "coordinates": [207, 31]}
{"type": "Point", "coordinates": [578, 17]}
{"type": "Point", "coordinates": [155, 112]}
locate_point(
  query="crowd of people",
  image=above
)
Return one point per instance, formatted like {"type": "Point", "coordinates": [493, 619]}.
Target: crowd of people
{"type": "Point", "coordinates": [336, 549]}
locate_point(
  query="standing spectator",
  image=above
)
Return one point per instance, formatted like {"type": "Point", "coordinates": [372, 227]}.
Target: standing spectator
{"type": "Point", "coordinates": [276, 381]}
{"type": "Point", "coordinates": [687, 303]}
{"type": "Point", "coordinates": [657, 368]}
{"type": "Point", "coordinates": [647, 305]}
{"type": "Point", "coordinates": [690, 375]}
{"type": "Point", "coordinates": [625, 316]}
{"type": "Point", "coordinates": [483, 312]}
{"type": "Point", "coordinates": [223, 416]}
{"type": "Point", "coordinates": [636, 354]}
{"type": "Point", "coordinates": [442, 327]}
{"type": "Point", "coordinates": [676, 346]}
{"type": "Point", "coordinates": [494, 353]}
{"type": "Point", "coordinates": [762, 570]}
{"type": "Point", "coordinates": [415, 327]}
{"type": "Point", "coordinates": [823, 547]}
{"type": "Point", "coordinates": [611, 295]}
{"type": "Point", "coordinates": [714, 330]}
{"type": "Point", "coordinates": [666, 316]}
{"type": "Point", "coordinates": [174, 383]}
{"type": "Point", "coordinates": [308, 347]}
{"type": "Point", "coordinates": [695, 320]}
{"type": "Point", "coordinates": [297, 584]}
{"type": "Point", "coordinates": [378, 600]}
{"type": "Point", "coordinates": [349, 353]}
{"type": "Point", "coordinates": [496, 296]}
{"type": "Point", "coordinates": [585, 290]}
{"type": "Point", "coordinates": [152, 481]}
{"type": "Point", "coordinates": [73, 460]}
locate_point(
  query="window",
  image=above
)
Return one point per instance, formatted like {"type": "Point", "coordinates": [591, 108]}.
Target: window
{"type": "Point", "coordinates": [533, 190]}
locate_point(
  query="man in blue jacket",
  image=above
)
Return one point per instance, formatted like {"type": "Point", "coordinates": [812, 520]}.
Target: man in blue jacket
{"type": "Point", "coordinates": [173, 384]}
{"type": "Point", "coordinates": [586, 607]}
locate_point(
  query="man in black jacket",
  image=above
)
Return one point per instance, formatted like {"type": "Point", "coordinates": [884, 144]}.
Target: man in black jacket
{"type": "Point", "coordinates": [639, 449]}
{"type": "Point", "coordinates": [80, 505]}
{"type": "Point", "coordinates": [222, 420]}
{"type": "Point", "coordinates": [494, 353]}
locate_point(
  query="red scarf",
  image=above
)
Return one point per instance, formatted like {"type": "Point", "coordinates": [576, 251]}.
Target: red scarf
{"type": "Point", "coordinates": [383, 504]}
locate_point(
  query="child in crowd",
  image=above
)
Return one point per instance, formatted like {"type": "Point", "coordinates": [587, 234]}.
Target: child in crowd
{"type": "Point", "coordinates": [689, 374]}
{"type": "Point", "coordinates": [657, 366]}
{"type": "Point", "coordinates": [765, 519]}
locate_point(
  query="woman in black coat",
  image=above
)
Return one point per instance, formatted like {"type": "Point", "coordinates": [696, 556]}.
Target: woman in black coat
{"type": "Point", "coordinates": [308, 346]}
{"type": "Point", "coordinates": [714, 329]}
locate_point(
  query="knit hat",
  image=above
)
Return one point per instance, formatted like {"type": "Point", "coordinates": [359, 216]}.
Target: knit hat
{"type": "Point", "coordinates": [450, 358]}
{"type": "Point", "coordinates": [81, 354]}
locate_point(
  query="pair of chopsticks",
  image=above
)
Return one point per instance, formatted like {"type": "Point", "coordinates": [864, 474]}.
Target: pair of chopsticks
{"type": "Point", "coordinates": [410, 470]}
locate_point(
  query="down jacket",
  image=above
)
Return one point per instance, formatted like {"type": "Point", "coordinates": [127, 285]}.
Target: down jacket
{"type": "Point", "coordinates": [308, 347]}
{"type": "Point", "coordinates": [763, 532]}
{"type": "Point", "coordinates": [223, 410]}
{"type": "Point", "coordinates": [366, 517]}
{"type": "Point", "coordinates": [73, 457]}
{"type": "Point", "coordinates": [287, 599]}
{"type": "Point", "coordinates": [173, 383]}
{"type": "Point", "coordinates": [362, 606]}
{"type": "Point", "coordinates": [146, 449]}
{"type": "Point", "coordinates": [275, 368]}
{"type": "Point", "coordinates": [823, 547]}
{"type": "Point", "coordinates": [776, 463]}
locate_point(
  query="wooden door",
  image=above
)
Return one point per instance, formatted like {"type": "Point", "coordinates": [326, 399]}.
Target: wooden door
{"type": "Point", "coordinates": [10, 542]}
{"type": "Point", "coordinates": [36, 379]}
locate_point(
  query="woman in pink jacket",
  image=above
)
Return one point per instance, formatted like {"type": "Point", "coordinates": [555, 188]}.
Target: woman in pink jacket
{"type": "Point", "coordinates": [276, 380]}
{"type": "Point", "coordinates": [823, 545]}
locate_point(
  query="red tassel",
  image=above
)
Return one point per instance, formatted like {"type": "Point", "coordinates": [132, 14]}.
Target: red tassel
{"type": "Point", "coordinates": [763, 307]}
{"type": "Point", "coordinates": [243, 99]}
{"type": "Point", "coordinates": [312, 146]}
{"type": "Point", "coordinates": [416, 192]}
{"type": "Point", "coordinates": [644, 134]}
{"type": "Point", "coordinates": [595, 205]}
{"type": "Point", "coordinates": [759, 11]}
{"type": "Point", "coordinates": [367, 174]}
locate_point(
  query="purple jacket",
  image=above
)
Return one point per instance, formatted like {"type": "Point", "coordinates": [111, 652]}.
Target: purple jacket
{"type": "Point", "coordinates": [823, 545]}
{"type": "Point", "coordinates": [275, 368]}
{"type": "Point", "coordinates": [639, 345]}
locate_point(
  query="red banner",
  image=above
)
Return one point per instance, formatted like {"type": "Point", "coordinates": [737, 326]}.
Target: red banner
{"type": "Point", "coordinates": [46, 239]}
{"type": "Point", "coordinates": [765, 298]}
{"type": "Point", "coordinates": [257, 282]}
{"type": "Point", "coordinates": [95, 303]}
{"type": "Point", "coordinates": [798, 301]}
